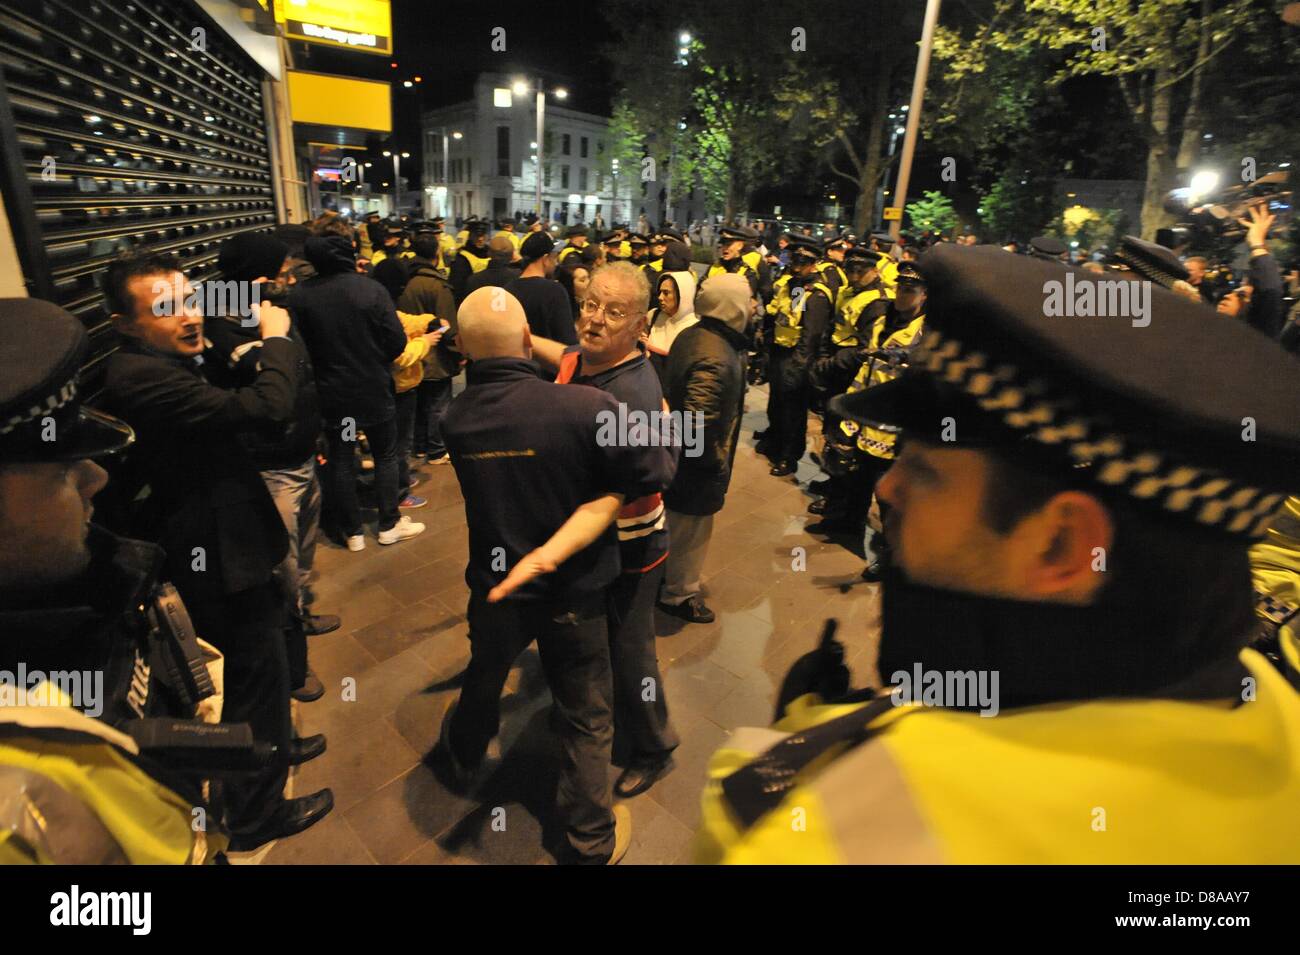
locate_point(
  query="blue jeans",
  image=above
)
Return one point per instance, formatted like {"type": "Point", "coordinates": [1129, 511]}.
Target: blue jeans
{"type": "Point", "coordinates": [433, 395]}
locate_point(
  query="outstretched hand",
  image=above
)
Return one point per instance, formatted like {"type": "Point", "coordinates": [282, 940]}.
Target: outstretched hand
{"type": "Point", "coordinates": [531, 565]}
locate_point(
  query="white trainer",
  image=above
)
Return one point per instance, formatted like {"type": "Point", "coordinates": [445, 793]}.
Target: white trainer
{"type": "Point", "coordinates": [403, 529]}
{"type": "Point", "coordinates": [357, 542]}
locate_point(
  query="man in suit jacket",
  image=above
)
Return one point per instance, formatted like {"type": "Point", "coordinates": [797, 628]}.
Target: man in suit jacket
{"type": "Point", "coordinates": [209, 509]}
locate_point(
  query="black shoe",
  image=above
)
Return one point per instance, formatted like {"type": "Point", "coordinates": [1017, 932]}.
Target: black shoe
{"type": "Point", "coordinates": [458, 778]}
{"type": "Point", "coordinates": [818, 506]}
{"type": "Point", "coordinates": [871, 572]}
{"type": "Point", "coordinates": [692, 610]}
{"type": "Point", "coordinates": [315, 624]}
{"type": "Point", "coordinates": [764, 448]}
{"type": "Point", "coordinates": [784, 468]}
{"type": "Point", "coordinates": [290, 818]}
{"type": "Point", "coordinates": [760, 435]}
{"type": "Point", "coordinates": [304, 748]}
{"type": "Point", "coordinates": [640, 776]}
{"type": "Point", "coordinates": [311, 690]}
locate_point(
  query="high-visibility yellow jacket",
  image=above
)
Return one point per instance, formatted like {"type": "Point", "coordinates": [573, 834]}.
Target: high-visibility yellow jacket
{"type": "Point", "coordinates": [787, 308]}
{"type": "Point", "coordinates": [515, 239]}
{"type": "Point", "coordinates": [70, 794]}
{"type": "Point", "coordinates": [477, 263]}
{"type": "Point", "coordinates": [873, 371]}
{"type": "Point", "coordinates": [1111, 781]}
{"type": "Point", "coordinates": [851, 305]}
{"type": "Point", "coordinates": [1275, 567]}
{"type": "Point", "coordinates": [567, 251]}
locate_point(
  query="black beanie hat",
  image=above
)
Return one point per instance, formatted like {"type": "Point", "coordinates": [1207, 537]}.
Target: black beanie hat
{"type": "Point", "coordinates": [251, 255]}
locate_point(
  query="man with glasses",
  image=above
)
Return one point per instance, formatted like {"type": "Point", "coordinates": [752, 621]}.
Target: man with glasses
{"type": "Point", "coordinates": [609, 356]}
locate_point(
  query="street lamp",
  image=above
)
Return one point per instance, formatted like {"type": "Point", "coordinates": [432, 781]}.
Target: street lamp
{"type": "Point", "coordinates": [446, 163]}
{"type": "Point", "coordinates": [397, 179]}
{"type": "Point", "coordinates": [520, 88]}
{"type": "Point", "coordinates": [913, 115]}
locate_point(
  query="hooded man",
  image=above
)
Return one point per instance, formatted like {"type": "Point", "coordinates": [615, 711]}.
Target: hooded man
{"type": "Point", "coordinates": [705, 377]}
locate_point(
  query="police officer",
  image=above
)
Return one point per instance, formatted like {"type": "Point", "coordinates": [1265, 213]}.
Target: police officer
{"type": "Point", "coordinates": [884, 353]}
{"type": "Point", "coordinates": [1047, 247]}
{"type": "Point", "coordinates": [882, 243]}
{"type": "Point", "coordinates": [802, 307]}
{"type": "Point", "coordinates": [864, 299]}
{"type": "Point", "coordinates": [831, 267]}
{"type": "Point", "coordinates": [737, 254]}
{"type": "Point", "coordinates": [76, 615]}
{"type": "Point", "coordinates": [612, 242]}
{"type": "Point", "coordinates": [576, 236]}
{"type": "Point", "coordinates": [507, 228]}
{"type": "Point", "coordinates": [1071, 511]}
{"type": "Point", "coordinates": [394, 245]}
{"type": "Point", "coordinates": [470, 260]}
{"type": "Point", "coordinates": [639, 251]}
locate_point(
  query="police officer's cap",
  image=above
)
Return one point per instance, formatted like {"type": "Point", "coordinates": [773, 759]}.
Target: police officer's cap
{"type": "Point", "coordinates": [42, 418]}
{"type": "Point", "coordinates": [1047, 245]}
{"type": "Point", "coordinates": [805, 247]}
{"type": "Point", "coordinates": [611, 238]}
{"type": "Point", "coordinates": [1149, 405]}
{"type": "Point", "coordinates": [1151, 261]}
{"type": "Point", "coordinates": [576, 229]}
{"type": "Point", "coordinates": [530, 219]}
{"type": "Point", "coordinates": [729, 233]}
{"type": "Point", "coordinates": [476, 227]}
{"type": "Point", "coordinates": [882, 238]}
{"type": "Point", "coordinates": [636, 238]}
{"type": "Point", "coordinates": [909, 274]}
{"type": "Point", "coordinates": [536, 245]}
{"type": "Point", "coordinates": [836, 242]}
{"type": "Point", "coordinates": [669, 234]}
{"type": "Point", "coordinates": [861, 257]}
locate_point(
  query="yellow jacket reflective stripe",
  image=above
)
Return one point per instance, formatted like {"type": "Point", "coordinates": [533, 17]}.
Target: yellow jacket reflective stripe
{"type": "Point", "coordinates": [567, 251]}
{"type": "Point", "coordinates": [871, 440]}
{"type": "Point", "coordinates": [789, 312]}
{"type": "Point", "coordinates": [845, 332]}
{"type": "Point", "coordinates": [1113, 781]}
{"type": "Point", "coordinates": [476, 263]}
{"type": "Point", "coordinates": [717, 268]}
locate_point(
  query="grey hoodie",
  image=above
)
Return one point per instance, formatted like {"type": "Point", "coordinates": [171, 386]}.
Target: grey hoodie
{"type": "Point", "coordinates": [728, 298]}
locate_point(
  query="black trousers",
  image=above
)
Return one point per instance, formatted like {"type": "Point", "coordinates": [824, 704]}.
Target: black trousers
{"type": "Point", "coordinates": [641, 726]}
{"type": "Point", "coordinates": [573, 644]}
{"type": "Point", "coordinates": [787, 404]}
{"type": "Point", "coordinates": [248, 627]}
{"type": "Point", "coordinates": [382, 436]}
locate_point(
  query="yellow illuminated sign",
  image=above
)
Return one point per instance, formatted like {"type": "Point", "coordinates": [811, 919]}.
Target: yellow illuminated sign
{"type": "Point", "coordinates": [340, 101]}
{"type": "Point", "coordinates": [893, 212]}
{"type": "Point", "coordinates": [364, 25]}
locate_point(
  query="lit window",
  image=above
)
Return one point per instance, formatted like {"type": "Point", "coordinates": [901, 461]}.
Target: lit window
{"type": "Point", "coordinates": [501, 97]}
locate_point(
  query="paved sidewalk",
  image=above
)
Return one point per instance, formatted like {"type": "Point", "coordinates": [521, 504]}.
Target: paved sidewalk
{"type": "Point", "coordinates": [403, 645]}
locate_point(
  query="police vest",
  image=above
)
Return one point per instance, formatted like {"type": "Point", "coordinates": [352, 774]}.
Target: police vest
{"type": "Point", "coordinates": [1275, 569]}
{"type": "Point", "coordinates": [787, 308]}
{"type": "Point", "coordinates": [873, 372]}
{"type": "Point", "coordinates": [1111, 781]}
{"type": "Point", "coordinates": [514, 238]}
{"type": "Point", "coordinates": [840, 280]}
{"type": "Point", "coordinates": [625, 249]}
{"type": "Point", "coordinates": [567, 251]}
{"type": "Point", "coordinates": [448, 246]}
{"type": "Point", "coordinates": [888, 270]}
{"type": "Point", "coordinates": [845, 332]}
{"type": "Point", "coordinates": [477, 263]}
{"type": "Point", "coordinates": [654, 265]}
{"type": "Point", "coordinates": [745, 269]}
{"type": "Point", "coordinates": [77, 798]}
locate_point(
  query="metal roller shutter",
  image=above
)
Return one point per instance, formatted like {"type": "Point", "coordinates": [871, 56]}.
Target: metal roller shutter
{"type": "Point", "coordinates": [154, 144]}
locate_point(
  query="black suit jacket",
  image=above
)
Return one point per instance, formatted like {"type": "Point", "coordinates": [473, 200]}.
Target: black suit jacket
{"type": "Point", "coordinates": [188, 483]}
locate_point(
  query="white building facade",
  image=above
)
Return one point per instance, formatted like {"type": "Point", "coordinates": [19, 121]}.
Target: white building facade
{"type": "Point", "coordinates": [489, 167]}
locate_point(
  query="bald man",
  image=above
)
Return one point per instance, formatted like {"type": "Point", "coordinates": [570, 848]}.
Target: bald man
{"type": "Point", "coordinates": [541, 493]}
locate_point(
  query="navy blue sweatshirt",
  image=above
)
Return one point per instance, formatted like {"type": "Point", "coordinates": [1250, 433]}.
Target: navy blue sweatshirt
{"type": "Point", "coordinates": [526, 455]}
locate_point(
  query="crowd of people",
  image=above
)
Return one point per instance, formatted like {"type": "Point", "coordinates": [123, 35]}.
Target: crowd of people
{"type": "Point", "coordinates": [236, 437]}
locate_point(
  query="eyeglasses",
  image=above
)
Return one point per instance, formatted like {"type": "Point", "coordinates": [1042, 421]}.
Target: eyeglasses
{"type": "Point", "coordinates": [590, 308]}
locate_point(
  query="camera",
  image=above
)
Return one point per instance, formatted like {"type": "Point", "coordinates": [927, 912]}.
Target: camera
{"type": "Point", "coordinates": [1213, 216]}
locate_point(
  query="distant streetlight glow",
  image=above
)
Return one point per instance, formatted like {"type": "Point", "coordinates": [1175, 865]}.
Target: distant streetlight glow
{"type": "Point", "coordinates": [561, 93]}
{"type": "Point", "coordinates": [520, 87]}
{"type": "Point", "coordinates": [684, 39]}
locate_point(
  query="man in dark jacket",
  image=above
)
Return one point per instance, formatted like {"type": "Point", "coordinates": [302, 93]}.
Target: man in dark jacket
{"type": "Point", "coordinates": [470, 260]}
{"type": "Point", "coordinates": [706, 379]}
{"type": "Point", "coordinates": [353, 335]}
{"type": "Point", "coordinates": [427, 293]}
{"type": "Point", "coordinates": [285, 455]}
{"type": "Point", "coordinates": [533, 468]}
{"type": "Point", "coordinates": [207, 506]}
{"type": "Point", "coordinates": [545, 302]}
